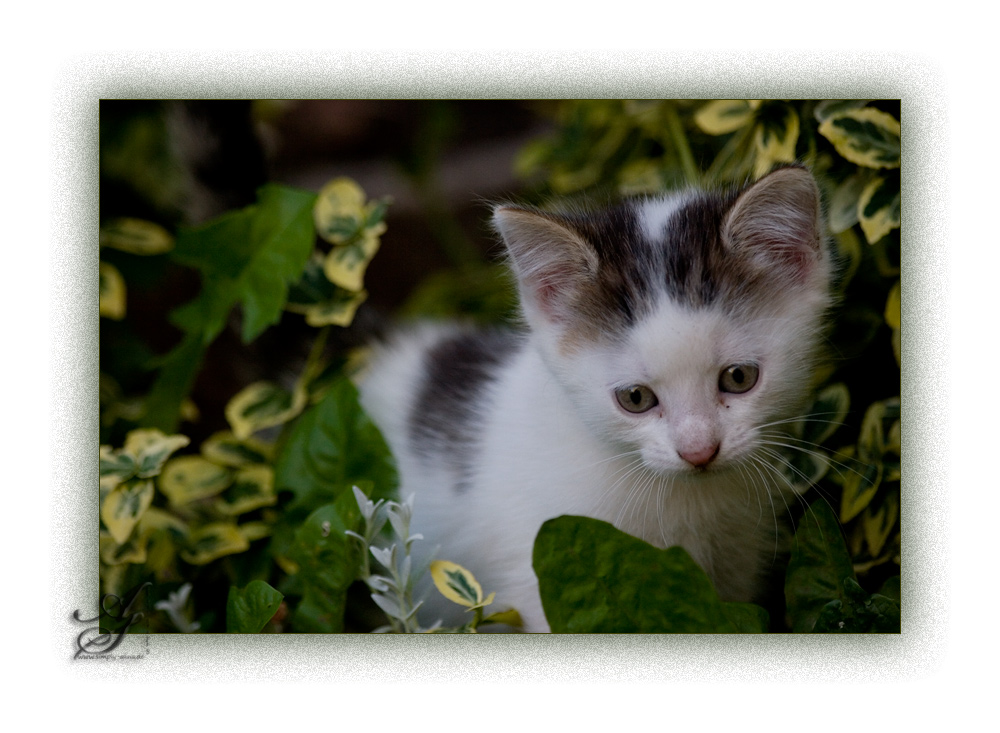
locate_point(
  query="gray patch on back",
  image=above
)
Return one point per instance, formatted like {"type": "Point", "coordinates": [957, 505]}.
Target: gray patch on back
{"type": "Point", "coordinates": [453, 393]}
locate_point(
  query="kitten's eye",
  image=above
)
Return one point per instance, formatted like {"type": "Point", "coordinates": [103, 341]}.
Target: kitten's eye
{"type": "Point", "coordinates": [738, 378]}
{"type": "Point", "coordinates": [636, 398]}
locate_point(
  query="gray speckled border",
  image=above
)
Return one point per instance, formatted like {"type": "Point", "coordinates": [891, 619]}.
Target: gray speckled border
{"type": "Point", "coordinates": [917, 652]}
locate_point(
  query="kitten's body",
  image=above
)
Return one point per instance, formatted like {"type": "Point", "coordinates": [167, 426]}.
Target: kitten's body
{"type": "Point", "coordinates": [495, 432]}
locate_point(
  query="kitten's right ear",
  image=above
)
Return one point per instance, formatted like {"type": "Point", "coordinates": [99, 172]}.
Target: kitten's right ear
{"type": "Point", "coordinates": [552, 262]}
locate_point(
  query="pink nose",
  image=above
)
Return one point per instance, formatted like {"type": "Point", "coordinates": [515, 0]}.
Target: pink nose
{"type": "Point", "coordinates": [700, 457]}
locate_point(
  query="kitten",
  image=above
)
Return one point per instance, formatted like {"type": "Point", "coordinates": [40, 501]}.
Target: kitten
{"type": "Point", "coordinates": [669, 344]}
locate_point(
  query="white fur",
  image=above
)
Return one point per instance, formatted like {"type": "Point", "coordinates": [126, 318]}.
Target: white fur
{"type": "Point", "coordinates": [556, 442]}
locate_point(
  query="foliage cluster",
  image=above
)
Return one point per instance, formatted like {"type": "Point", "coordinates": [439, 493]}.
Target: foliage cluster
{"type": "Point", "coordinates": [272, 524]}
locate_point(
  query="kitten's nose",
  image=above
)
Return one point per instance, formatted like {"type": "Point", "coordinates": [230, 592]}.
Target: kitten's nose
{"type": "Point", "coordinates": [700, 457]}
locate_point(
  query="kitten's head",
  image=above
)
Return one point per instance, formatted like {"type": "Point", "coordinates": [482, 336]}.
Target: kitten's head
{"type": "Point", "coordinates": [681, 326]}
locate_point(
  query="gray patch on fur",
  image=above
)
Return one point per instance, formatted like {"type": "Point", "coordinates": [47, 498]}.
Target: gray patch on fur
{"type": "Point", "coordinates": [452, 393]}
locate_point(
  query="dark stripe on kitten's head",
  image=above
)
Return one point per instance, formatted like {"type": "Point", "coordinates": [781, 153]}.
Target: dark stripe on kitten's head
{"type": "Point", "coordinates": [595, 274]}
{"type": "Point", "coordinates": [450, 396]}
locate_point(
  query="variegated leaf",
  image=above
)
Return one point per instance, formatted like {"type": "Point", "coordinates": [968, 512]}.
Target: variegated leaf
{"type": "Point", "coordinates": [830, 107]}
{"type": "Point", "coordinates": [131, 551]}
{"type": "Point", "coordinates": [252, 488]}
{"type": "Point", "coordinates": [879, 209]}
{"type": "Point", "coordinates": [190, 478]}
{"type": "Point", "coordinates": [111, 301]}
{"type": "Point", "coordinates": [124, 506]}
{"type": "Point", "coordinates": [866, 136]}
{"type": "Point", "coordinates": [860, 485]}
{"type": "Point", "coordinates": [213, 541]}
{"type": "Point", "coordinates": [151, 448]}
{"type": "Point", "coordinates": [775, 141]}
{"type": "Point", "coordinates": [255, 530]}
{"type": "Point", "coordinates": [345, 265]}
{"type": "Point", "coordinates": [723, 116]}
{"type": "Point", "coordinates": [339, 211]}
{"type": "Point", "coordinates": [136, 236]}
{"type": "Point", "coordinates": [263, 405]}
{"type": "Point", "coordinates": [878, 525]}
{"type": "Point", "coordinates": [458, 585]}
{"type": "Point", "coordinates": [827, 413]}
{"type": "Point", "coordinates": [224, 449]}
{"type": "Point", "coordinates": [115, 467]}
{"type": "Point", "coordinates": [337, 312]}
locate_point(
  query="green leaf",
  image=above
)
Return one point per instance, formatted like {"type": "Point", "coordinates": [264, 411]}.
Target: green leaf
{"type": "Point", "coordinates": [594, 578]}
{"type": "Point", "coordinates": [747, 618]}
{"type": "Point", "coordinates": [817, 568]}
{"type": "Point", "coordinates": [245, 257]}
{"type": "Point", "coordinates": [327, 564]}
{"type": "Point", "coordinates": [332, 444]}
{"type": "Point", "coordinates": [458, 585]}
{"type": "Point", "coordinates": [249, 609]}
{"type": "Point", "coordinates": [843, 209]}
{"type": "Point", "coordinates": [866, 137]}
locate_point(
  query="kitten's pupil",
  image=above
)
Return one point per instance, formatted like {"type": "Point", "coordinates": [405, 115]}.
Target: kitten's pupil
{"type": "Point", "coordinates": [635, 396]}
{"type": "Point", "coordinates": [738, 375]}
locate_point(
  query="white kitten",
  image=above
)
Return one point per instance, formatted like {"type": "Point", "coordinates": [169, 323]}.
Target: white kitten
{"type": "Point", "coordinates": [668, 343]}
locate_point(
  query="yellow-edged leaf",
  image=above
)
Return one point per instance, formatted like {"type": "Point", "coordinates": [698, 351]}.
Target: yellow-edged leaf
{"type": "Point", "coordinates": [723, 116]}
{"type": "Point", "coordinates": [640, 176]}
{"type": "Point", "coordinates": [262, 405]}
{"type": "Point", "coordinates": [338, 312]}
{"type": "Point", "coordinates": [213, 541]}
{"type": "Point", "coordinates": [111, 301]}
{"type": "Point", "coordinates": [879, 210]}
{"type": "Point", "coordinates": [124, 506]}
{"type": "Point", "coordinates": [190, 478]}
{"type": "Point", "coordinates": [775, 143]}
{"type": "Point", "coordinates": [878, 525]}
{"type": "Point", "coordinates": [866, 137]}
{"type": "Point", "coordinates": [225, 449]}
{"type": "Point", "coordinates": [457, 584]}
{"type": "Point", "coordinates": [252, 488]}
{"type": "Point", "coordinates": [339, 210]}
{"type": "Point", "coordinates": [345, 265]}
{"type": "Point", "coordinates": [860, 485]}
{"type": "Point", "coordinates": [136, 236]}
{"type": "Point", "coordinates": [150, 448]}
{"type": "Point", "coordinates": [255, 530]}
{"type": "Point", "coordinates": [131, 551]}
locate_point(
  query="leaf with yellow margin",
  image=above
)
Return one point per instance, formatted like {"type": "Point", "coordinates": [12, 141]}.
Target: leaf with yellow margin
{"type": "Point", "coordinates": [124, 506]}
{"type": "Point", "coordinates": [225, 449]}
{"type": "Point", "coordinates": [111, 301]}
{"type": "Point", "coordinates": [775, 141]}
{"type": "Point", "coordinates": [213, 541]}
{"type": "Point", "coordinates": [345, 265]}
{"type": "Point", "coordinates": [339, 211]}
{"type": "Point", "coordinates": [867, 137]}
{"type": "Point", "coordinates": [879, 209]}
{"type": "Point", "coordinates": [136, 236]}
{"type": "Point", "coordinates": [252, 488]}
{"type": "Point", "coordinates": [458, 585]}
{"type": "Point", "coordinates": [263, 405]}
{"type": "Point", "coordinates": [190, 478]}
{"type": "Point", "coordinates": [723, 116]}
{"type": "Point", "coordinates": [150, 448]}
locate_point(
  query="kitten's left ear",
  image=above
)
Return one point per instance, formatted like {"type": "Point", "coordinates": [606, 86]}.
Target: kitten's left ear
{"type": "Point", "coordinates": [776, 221]}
